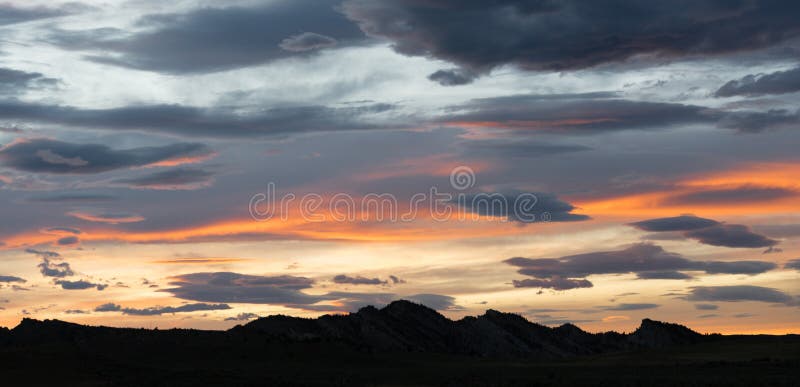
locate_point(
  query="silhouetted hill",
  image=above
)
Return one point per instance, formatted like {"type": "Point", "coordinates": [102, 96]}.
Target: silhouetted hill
{"type": "Point", "coordinates": [402, 344]}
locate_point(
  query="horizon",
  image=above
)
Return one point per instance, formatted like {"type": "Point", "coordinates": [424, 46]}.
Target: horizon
{"type": "Point", "coordinates": [198, 165]}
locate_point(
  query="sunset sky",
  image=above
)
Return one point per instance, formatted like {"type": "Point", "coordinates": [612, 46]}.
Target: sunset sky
{"type": "Point", "coordinates": [658, 142]}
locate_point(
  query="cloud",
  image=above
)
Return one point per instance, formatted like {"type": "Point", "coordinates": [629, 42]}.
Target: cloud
{"type": "Point", "coordinates": [357, 280]}
{"type": "Point", "coordinates": [706, 307]}
{"type": "Point", "coordinates": [206, 122]}
{"type": "Point", "coordinates": [735, 195]}
{"type": "Point", "coordinates": [568, 35]}
{"type": "Point", "coordinates": [647, 261]}
{"type": "Point", "coordinates": [62, 230]}
{"type": "Point", "coordinates": [242, 317]}
{"type": "Point", "coordinates": [243, 288]}
{"type": "Point", "coordinates": [631, 307]}
{"type": "Point", "coordinates": [588, 113]}
{"type": "Point", "coordinates": [523, 207]}
{"type": "Point", "coordinates": [159, 310]}
{"type": "Point", "coordinates": [555, 283]}
{"type": "Point", "coordinates": [211, 39]}
{"type": "Point", "coordinates": [780, 82]}
{"type": "Point", "coordinates": [759, 121]}
{"type": "Point", "coordinates": [53, 156]}
{"type": "Point", "coordinates": [452, 77]}
{"type": "Point", "coordinates": [68, 241]}
{"type": "Point", "coordinates": [738, 293]}
{"type": "Point", "coordinates": [676, 223]}
{"type": "Point", "coordinates": [75, 311]}
{"type": "Point", "coordinates": [79, 285]}
{"type": "Point", "coordinates": [307, 41]}
{"type": "Point", "coordinates": [434, 301]}
{"type": "Point", "coordinates": [707, 231]}
{"type": "Point", "coordinates": [730, 235]}
{"type": "Point", "coordinates": [173, 179]}
{"type": "Point", "coordinates": [106, 217]}
{"type": "Point", "coordinates": [793, 264]}
{"type": "Point", "coordinates": [11, 278]}
{"type": "Point", "coordinates": [16, 81]}
{"type": "Point", "coordinates": [520, 148]}
{"type": "Point", "coordinates": [77, 197]}
{"type": "Point", "coordinates": [11, 14]}
{"type": "Point", "coordinates": [51, 269]}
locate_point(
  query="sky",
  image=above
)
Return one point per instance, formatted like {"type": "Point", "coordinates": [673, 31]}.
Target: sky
{"type": "Point", "coordinates": [198, 164]}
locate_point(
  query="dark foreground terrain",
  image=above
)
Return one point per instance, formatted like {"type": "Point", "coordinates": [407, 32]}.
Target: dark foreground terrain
{"type": "Point", "coordinates": [403, 344]}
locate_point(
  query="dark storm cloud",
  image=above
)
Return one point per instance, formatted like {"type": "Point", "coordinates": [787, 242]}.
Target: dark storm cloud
{"type": "Point", "coordinates": [706, 307]}
{"type": "Point", "coordinates": [79, 285]}
{"type": "Point", "coordinates": [780, 82]}
{"type": "Point", "coordinates": [707, 231]}
{"type": "Point", "coordinates": [11, 14]}
{"type": "Point", "coordinates": [742, 194]}
{"type": "Point", "coordinates": [203, 122]}
{"type": "Point", "coordinates": [11, 278]}
{"type": "Point", "coordinates": [676, 223]}
{"type": "Point", "coordinates": [730, 235]}
{"type": "Point", "coordinates": [53, 156]}
{"type": "Point", "coordinates": [588, 113]}
{"type": "Point", "coordinates": [173, 179]}
{"type": "Point", "coordinates": [554, 282]}
{"type": "Point", "coordinates": [159, 310]}
{"type": "Point", "coordinates": [215, 39]}
{"type": "Point", "coordinates": [16, 81]}
{"type": "Point", "coordinates": [357, 280]}
{"type": "Point", "coordinates": [647, 261]}
{"type": "Point", "coordinates": [523, 207]}
{"type": "Point", "coordinates": [739, 293]}
{"type": "Point", "coordinates": [568, 35]}
{"type": "Point", "coordinates": [793, 264]}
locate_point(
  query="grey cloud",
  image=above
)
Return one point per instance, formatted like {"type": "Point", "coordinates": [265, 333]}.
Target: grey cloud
{"type": "Point", "coordinates": [744, 315]}
{"type": "Point", "coordinates": [69, 230]}
{"type": "Point", "coordinates": [242, 288]}
{"type": "Point", "coordinates": [567, 35]}
{"type": "Point", "coordinates": [52, 156]}
{"type": "Point", "coordinates": [203, 122]}
{"type": "Point", "coordinates": [75, 311]}
{"type": "Point", "coordinates": [758, 121]}
{"type": "Point", "coordinates": [173, 179]}
{"type": "Point", "coordinates": [159, 310]}
{"type": "Point", "coordinates": [555, 283]}
{"type": "Point", "coordinates": [708, 315]}
{"type": "Point", "coordinates": [738, 293]}
{"type": "Point", "coordinates": [215, 39]}
{"type": "Point", "coordinates": [779, 82]}
{"type": "Point", "coordinates": [78, 197]}
{"type": "Point", "coordinates": [676, 223]}
{"type": "Point", "coordinates": [730, 235]}
{"type": "Point", "coordinates": [51, 269]}
{"type": "Point", "coordinates": [307, 41]}
{"type": "Point", "coordinates": [11, 278]}
{"type": "Point", "coordinates": [68, 241]}
{"type": "Point", "coordinates": [793, 264]}
{"type": "Point", "coordinates": [520, 148]}
{"type": "Point", "coordinates": [434, 301]}
{"type": "Point", "coordinates": [588, 113]}
{"type": "Point", "coordinates": [631, 307]}
{"type": "Point", "coordinates": [452, 77]}
{"type": "Point", "coordinates": [242, 317]}
{"type": "Point", "coordinates": [357, 280]}
{"type": "Point", "coordinates": [11, 14]}
{"type": "Point", "coordinates": [43, 253]}
{"type": "Point", "coordinates": [737, 195]}
{"type": "Point", "coordinates": [79, 285]}
{"type": "Point", "coordinates": [396, 280]}
{"type": "Point", "coordinates": [707, 231]}
{"type": "Point", "coordinates": [16, 81]}
{"type": "Point", "coordinates": [523, 207]}
{"type": "Point", "coordinates": [647, 261]}
{"type": "Point", "coordinates": [706, 307]}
